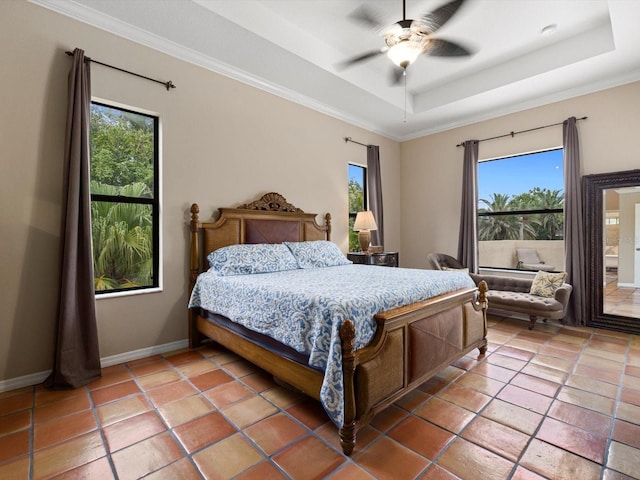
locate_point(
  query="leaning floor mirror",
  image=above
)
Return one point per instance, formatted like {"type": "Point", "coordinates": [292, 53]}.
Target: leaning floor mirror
{"type": "Point", "coordinates": [612, 206]}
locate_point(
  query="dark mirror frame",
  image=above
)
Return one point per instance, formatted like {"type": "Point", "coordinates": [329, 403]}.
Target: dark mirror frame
{"type": "Point", "coordinates": [593, 190]}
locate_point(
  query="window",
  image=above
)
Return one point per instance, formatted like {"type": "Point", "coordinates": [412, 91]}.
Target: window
{"type": "Point", "coordinates": [612, 218]}
{"type": "Point", "coordinates": [124, 199]}
{"type": "Point", "coordinates": [521, 205]}
{"type": "Point", "coordinates": [357, 200]}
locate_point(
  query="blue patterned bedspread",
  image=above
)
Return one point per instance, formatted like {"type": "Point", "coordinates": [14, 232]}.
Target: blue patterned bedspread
{"type": "Point", "coordinates": [304, 308]}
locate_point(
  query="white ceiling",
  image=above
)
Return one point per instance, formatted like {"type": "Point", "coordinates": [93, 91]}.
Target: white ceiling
{"type": "Point", "coordinates": [293, 48]}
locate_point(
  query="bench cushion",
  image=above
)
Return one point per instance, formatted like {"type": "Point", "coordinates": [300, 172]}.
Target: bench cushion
{"type": "Point", "coordinates": [525, 303]}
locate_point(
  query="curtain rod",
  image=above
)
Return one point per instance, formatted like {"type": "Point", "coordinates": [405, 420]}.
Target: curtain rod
{"type": "Point", "coordinates": [512, 134]}
{"type": "Point", "coordinates": [168, 85]}
{"type": "Point", "coordinates": [349, 139]}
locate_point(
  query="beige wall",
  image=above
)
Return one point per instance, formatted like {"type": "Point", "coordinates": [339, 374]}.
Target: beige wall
{"type": "Point", "coordinates": [223, 143]}
{"type": "Point", "coordinates": [431, 169]}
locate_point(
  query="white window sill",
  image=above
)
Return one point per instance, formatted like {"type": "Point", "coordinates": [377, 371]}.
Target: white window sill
{"type": "Point", "coordinates": [100, 296]}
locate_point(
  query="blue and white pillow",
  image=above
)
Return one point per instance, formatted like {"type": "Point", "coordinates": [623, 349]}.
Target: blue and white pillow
{"type": "Point", "coordinates": [244, 259]}
{"type": "Point", "coordinates": [316, 254]}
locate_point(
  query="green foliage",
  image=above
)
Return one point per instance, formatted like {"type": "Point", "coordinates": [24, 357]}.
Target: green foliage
{"type": "Point", "coordinates": [356, 204]}
{"type": "Point", "coordinates": [122, 164]}
{"type": "Point", "coordinates": [539, 226]}
{"type": "Point", "coordinates": [356, 196]}
{"type": "Point", "coordinates": [548, 226]}
{"type": "Point", "coordinates": [121, 148]}
{"type": "Point", "coordinates": [497, 227]}
{"type": "Point", "coordinates": [122, 244]}
{"type": "Point", "coordinates": [354, 244]}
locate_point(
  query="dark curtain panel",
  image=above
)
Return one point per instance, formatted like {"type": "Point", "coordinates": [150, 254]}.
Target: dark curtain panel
{"type": "Point", "coordinates": [574, 224]}
{"type": "Point", "coordinates": [76, 358]}
{"type": "Point", "coordinates": [468, 240]}
{"type": "Point", "coordinates": [374, 184]}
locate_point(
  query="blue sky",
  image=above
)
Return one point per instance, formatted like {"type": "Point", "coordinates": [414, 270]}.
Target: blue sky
{"type": "Point", "coordinates": [520, 174]}
{"type": "Point", "coordinates": [515, 175]}
{"type": "Point", "coordinates": [355, 173]}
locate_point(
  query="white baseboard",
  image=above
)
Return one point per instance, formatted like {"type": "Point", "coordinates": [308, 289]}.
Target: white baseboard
{"type": "Point", "coordinates": [39, 377]}
{"type": "Point", "coordinates": [24, 381]}
{"type": "Point", "coordinates": [143, 352]}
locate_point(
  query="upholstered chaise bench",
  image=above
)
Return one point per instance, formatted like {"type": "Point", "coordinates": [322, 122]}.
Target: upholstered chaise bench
{"type": "Point", "coordinates": [512, 294]}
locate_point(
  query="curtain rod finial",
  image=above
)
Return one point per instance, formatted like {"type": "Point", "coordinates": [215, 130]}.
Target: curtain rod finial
{"type": "Point", "coordinates": [346, 139]}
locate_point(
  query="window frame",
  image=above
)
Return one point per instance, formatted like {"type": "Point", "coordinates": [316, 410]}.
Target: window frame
{"type": "Point", "coordinates": [154, 202]}
{"type": "Point", "coordinates": [542, 211]}
{"type": "Point", "coordinates": [364, 189]}
{"type": "Point", "coordinates": [365, 197]}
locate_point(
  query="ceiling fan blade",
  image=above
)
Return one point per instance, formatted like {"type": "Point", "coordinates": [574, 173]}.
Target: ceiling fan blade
{"type": "Point", "coordinates": [365, 16]}
{"type": "Point", "coordinates": [396, 75]}
{"type": "Point", "coordinates": [361, 58]}
{"type": "Point", "coordinates": [436, 19]}
{"type": "Point", "coordinates": [444, 48]}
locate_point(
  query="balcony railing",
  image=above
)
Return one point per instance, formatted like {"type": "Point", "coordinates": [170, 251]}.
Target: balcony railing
{"type": "Point", "coordinates": [502, 253]}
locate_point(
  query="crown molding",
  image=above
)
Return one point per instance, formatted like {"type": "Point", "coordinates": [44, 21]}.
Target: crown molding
{"type": "Point", "coordinates": [122, 29]}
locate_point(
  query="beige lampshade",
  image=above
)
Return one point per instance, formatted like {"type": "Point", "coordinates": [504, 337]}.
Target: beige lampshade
{"type": "Point", "coordinates": [364, 224]}
{"type": "Point", "coordinates": [364, 221]}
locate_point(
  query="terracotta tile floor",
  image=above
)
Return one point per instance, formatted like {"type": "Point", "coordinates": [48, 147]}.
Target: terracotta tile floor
{"type": "Point", "coordinates": [623, 301]}
{"type": "Point", "coordinates": [556, 402]}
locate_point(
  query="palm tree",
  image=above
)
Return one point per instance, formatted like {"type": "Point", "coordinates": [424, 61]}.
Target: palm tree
{"type": "Point", "coordinates": [527, 222]}
{"type": "Point", "coordinates": [544, 226]}
{"type": "Point", "coordinates": [122, 238]}
{"type": "Point", "coordinates": [498, 227]}
{"type": "Point", "coordinates": [551, 225]}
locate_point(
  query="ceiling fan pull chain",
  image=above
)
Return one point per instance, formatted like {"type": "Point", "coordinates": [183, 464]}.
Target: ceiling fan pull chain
{"type": "Point", "coordinates": [404, 74]}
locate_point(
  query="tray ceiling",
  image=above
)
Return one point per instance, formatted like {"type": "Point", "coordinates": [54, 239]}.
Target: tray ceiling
{"type": "Point", "coordinates": [293, 48]}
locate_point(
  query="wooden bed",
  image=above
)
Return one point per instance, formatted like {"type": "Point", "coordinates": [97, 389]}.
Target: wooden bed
{"type": "Point", "coordinates": [411, 343]}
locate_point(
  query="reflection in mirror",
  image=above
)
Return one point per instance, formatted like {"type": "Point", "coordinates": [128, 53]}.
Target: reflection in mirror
{"type": "Point", "coordinates": [621, 259]}
{"type": "Point", "coordinates": [613, 249]}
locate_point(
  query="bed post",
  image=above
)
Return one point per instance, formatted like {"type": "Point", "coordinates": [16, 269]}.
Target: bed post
{"type": "Point", "coordinates": [194, 269]}
{"type": "Point", "coordinates": [348, 430]}
{"type": "Point", "coordinates": [327, 225]}
{"type": "Point", "coordinates": [484, 305]}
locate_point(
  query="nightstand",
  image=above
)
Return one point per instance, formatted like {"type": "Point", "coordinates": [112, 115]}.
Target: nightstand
{"type": "Point", "coordinates": [385, 259]}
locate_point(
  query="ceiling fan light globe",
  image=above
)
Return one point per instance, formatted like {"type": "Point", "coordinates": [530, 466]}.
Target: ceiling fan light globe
{"type": "Point", "coordinates": [404, 53]}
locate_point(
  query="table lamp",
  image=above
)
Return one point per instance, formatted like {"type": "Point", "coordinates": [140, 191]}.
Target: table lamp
{"type": "Point", "coordinates": [364, 224]}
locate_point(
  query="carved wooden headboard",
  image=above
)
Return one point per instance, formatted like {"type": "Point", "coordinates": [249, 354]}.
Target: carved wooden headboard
{"type": "Point", "coordinates": [270, 219]}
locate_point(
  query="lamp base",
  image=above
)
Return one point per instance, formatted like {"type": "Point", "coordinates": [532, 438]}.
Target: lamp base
{"type": "Point", "coordinates": [364, 237]}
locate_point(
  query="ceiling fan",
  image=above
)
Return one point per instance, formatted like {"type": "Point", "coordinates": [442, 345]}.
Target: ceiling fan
{"type": "Point", "coordinates": [407, 39]}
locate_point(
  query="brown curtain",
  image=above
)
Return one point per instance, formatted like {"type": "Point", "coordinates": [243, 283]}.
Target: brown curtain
{"type": "Point", "coordinates": [374, 184]}
{"type": "Point", "coordinates": [574, 224]}
{"type": "Point", "coordinates": [468, 239]}
{"type": "Point", "coordinates": [77, 357]}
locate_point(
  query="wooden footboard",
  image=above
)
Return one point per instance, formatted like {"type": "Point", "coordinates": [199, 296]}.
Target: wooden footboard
{"type": "Point", "coordinates": [411, 345]}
